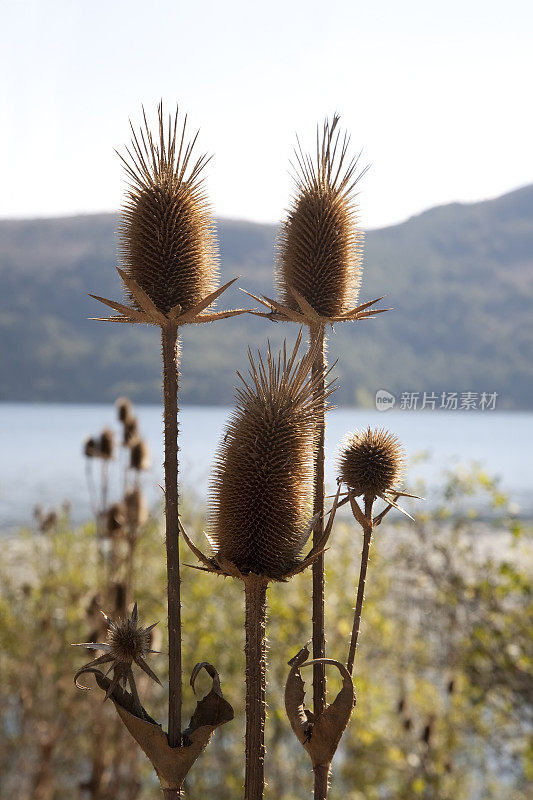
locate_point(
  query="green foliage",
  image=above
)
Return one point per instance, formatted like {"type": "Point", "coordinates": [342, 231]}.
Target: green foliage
{"type": "Point", "coordinates": [456, 275]}
{"type": "Point", "coordinates": [443, 671]}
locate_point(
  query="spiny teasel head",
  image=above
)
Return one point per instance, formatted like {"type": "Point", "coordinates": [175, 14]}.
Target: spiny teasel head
{"type": "Point", "coordinates": [167, 238]}
{"type": "Point", "coordinates": [320, 245]}
{"type": "Point", "coordinates": [124, 409]}
{"type": "Point", "coordinates": [371, 462]}
{"type": "Point", "coordinates": [262, 487]}
{"type": "Point", "coordinates": [139, 455]}
{"type": "Point", "coordinates": [136, 507]}
{"type": "Point", "coordinates": [107, 444]}
{"type": "Point", "coordinates": [130, 429]}
{"type": "Point", "coordinates": [127, 643]}
{"type": "Point", "coordinates": [91, 447]}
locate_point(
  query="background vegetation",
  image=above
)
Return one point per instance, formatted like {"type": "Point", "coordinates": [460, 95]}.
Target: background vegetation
{"type": "Point", "coordinates": [460, 279]}
{"type": "Point", "coordinates": [443, 674]}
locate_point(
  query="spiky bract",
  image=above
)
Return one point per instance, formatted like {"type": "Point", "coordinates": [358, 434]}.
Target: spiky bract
{"type": "Point", "coordinates": [262, 489]}
{"type": "Point", "coordinates": [167, 236]}
{"type": "Point", "coordinates": [371, 462]}
{"type": "Point", "coordinates": [320, 247]}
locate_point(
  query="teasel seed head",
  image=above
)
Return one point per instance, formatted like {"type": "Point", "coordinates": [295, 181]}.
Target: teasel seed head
{"type": "Point", "coordinates": [107, 444]}
{"type": "Point", "coordinates": [262, 488]}
{"type": "Point", "coordinates": [136, 508]}
{"type": "Point", "coordinates": [91, 447]}
{"type": "Point", "coordinates": [167, 237]}
{"type": "Point", "coordinates": [130, 430]}
{"type": "Point", "coordinates": [371, 462]}
{"type": "Point", "coordinates": [124, 409]}
{"type": "Point", "coordinates": [139, 455]}
{"type": "Point", "coordinates": [115, 519]}
{"type": "Point", "coordinates": [320, 245]}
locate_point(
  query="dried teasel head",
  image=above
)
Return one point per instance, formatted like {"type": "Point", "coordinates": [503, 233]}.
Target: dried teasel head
{"type": "Point", "coordinates": [320, 247]}
{"type": "Point", "coordinates": [371, 462]}
{"type": "Point", "coordinates": [124, 409]}
{"type": "Point", "coordinates": [136, 508]}
{"type": "Point", "coordinates": [91, 447]}
{"type": "Point", "coordinates": [127, 643]}
{"type": "Point", "coordinates": [168, 244]}
{"type": "Point", "coordinates": [115, 519]}
{"type": "Point", "coordinates": [107, 444]}
{"type": "Point", "coordinates": [262, 489]}
{"type": "Point", "coordinates": [139, 455]}
{"type": "Point", "coordinates": [130, 430]}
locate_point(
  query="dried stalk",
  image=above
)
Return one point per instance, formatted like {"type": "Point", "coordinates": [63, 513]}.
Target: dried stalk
{"type": "Point", "coordinates": [367, 536]}
{"type": "Point", "coordinates": [317, 344]}
{"type": "Point", "coordinates": [255, 649]}
{"type": "Point", "coordinates": [169, 339]}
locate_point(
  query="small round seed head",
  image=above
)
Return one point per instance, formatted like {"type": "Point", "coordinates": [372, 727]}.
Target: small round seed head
{"type": "Point", "coordinates": [127, 640]}
{"type": "Point", "coordinates": [130, 430]}
{"type": "Point", "coordinates": [107, 444]}
{"type": "Point", "coordinates": [91, 447]}
{"type": "Point", "coordinates": [320, 245]}
{"type": "Point", "coordinates": [124, 409]}
{"type": "Point", "coordinates": [115, 519]}
{"type": "Point", "coordinates": [139, 455]}
{"type": "Point", "coordinates": [136, 508]}
{"type": "Point", "coordinates": [167, 237]}
{"type": "Point", "coordinates": [371, 462]}
{"type": "Point", "coordinates": [262, 487]}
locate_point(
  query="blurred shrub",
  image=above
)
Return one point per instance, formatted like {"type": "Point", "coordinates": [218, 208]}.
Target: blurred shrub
{"type": "Point", "coordinates": [443, 673]}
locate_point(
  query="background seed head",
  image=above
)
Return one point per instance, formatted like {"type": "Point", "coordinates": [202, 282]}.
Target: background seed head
{"type": "Point", "coordinates": [167, 234]}
{"type": "Point", "coordinates": [320, 245]}
{"type": "Point", "coordinates": [262, 489]}
{"type": "Point", "coordinates": [107, 444]}
{"type": "Point", "coordinates": [371, 461]}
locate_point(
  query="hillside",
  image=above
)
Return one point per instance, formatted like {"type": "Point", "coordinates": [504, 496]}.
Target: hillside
{"type": "Point", "coordinates": [460, 279]}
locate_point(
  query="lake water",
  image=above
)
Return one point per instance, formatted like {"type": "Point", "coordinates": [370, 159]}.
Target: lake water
{"type": "Point", "coordinates": [41, 460]}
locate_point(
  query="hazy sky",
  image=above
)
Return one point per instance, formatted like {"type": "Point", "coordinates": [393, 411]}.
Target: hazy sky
{"type": "Point", "coordinates": [436, 93]}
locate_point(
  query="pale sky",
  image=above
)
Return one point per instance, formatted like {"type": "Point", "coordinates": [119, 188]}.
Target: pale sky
{"type": "Point", "coordinates": [437, 94]}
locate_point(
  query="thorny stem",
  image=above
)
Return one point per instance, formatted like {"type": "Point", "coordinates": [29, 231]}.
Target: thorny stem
{"type": "Point", "coordinates": [255, 649]}
{"type": "Point", "coordinates": [316, 337]}
{"type": "Point", "coordinates": [367, 535]}
{"type": "Point", "coordinates": [169, 337]}
{"type": "Point", "coordinates": [172, 794]}
{"type": "Point", "coordinates": [321, 780]}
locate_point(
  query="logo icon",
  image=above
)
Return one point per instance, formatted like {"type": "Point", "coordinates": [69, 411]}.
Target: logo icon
{"type": "Point", "coordinates": [384, 400]}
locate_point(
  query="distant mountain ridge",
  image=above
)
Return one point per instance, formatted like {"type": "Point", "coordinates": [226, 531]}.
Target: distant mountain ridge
{"type": "Point", "coordinates": [459, 277]}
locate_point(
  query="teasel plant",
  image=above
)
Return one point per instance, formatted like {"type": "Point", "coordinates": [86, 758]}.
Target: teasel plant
{"type": "Point", "coordinates": [169, 268]}
{"type": "Point", "coordinates": [371, 465]}
{"type": "Point", "coordinates": [318, 275]}
{"type": "Point", "coordinates": [260, 511]}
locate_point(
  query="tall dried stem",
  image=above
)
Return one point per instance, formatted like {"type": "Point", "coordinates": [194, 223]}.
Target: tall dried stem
{"type": "Point", "coordinates": [317, 343]}
{"type": "Point", "coordinates": [255, 593]}
{"type": "Point", "coordinates": [169, 337]}
{"type": "Point", "coordinates": [367, 536]}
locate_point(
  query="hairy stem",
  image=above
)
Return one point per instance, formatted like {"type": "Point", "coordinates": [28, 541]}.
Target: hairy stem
{"type": "Point", "coordinates": [367, 535]}
{"type": "Point", "coordinates": [321, 780]}
{"type": "Point", "coordinates": [255, 649]}
{"type": "Point", "coordinates": [172, 794]}
{"type": "Point", "coordinates": [316, 336]}
{"type": "Point", "coordinates": [169, 338]}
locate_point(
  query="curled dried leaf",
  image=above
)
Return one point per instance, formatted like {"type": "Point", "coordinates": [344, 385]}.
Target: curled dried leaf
{"type": "Point", "coordinates": [172, 763]}
{"type": "Point", "coordinates": [321, 736]}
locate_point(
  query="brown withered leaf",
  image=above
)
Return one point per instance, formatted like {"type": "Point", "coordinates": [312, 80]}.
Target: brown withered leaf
{"type": "Point", "coordinates": [321, 736]}
{"type": "Point", "coordinates": [172, 763]}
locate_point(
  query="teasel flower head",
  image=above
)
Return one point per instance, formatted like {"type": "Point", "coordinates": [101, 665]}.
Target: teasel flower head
{"type": "Point", "coordinates": [91, 447]}
{"type": "Point", "coordinates": [139, 455]}
{"type": "Point", "coordinates": [115, 519]}
{"type": "Point", "coordinates": [124, 409]}
{"type": "Point", "coordinates": [262, 488]}
{"type": "Point", "coordinates": [107, 444]}
{"type": "Point", "coordinates": [371, 462]}
{"type": "Point", "coordinates": [136, 507]}
{"type": "Point", "coordinates": [130, 430]}
{"type": "Point", "coordinates": [320, 247]}
{"type": "Point", "coordinates": [127, 643]}
{"type": "Point", "coordinates": [167, 237]}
